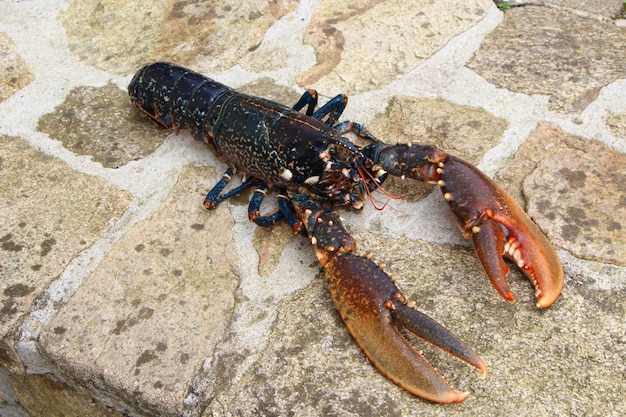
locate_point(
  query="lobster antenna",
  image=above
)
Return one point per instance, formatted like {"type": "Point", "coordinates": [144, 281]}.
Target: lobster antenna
{"type": "Point", "coordinates": [368, 178]}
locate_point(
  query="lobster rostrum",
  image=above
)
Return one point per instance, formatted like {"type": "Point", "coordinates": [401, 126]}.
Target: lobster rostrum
{"type": "Point", "coordinates": [315, 168]}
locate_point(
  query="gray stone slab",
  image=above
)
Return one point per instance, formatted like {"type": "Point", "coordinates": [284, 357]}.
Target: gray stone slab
{"type": "Point", "coordinates": [563, 55]}
{"type": "Point", "coordinates": [364, 46]}
{"type": "Point", "coordinates": [122, 37]}
{"type": "Point", "coordinates": [44, 397]}
{"type": "Point", "coordinates": [49, 214]}
{"type": "Point", "coordinates": [575, 190]}
{"type": "Point", "coordinates": [97, 122]}
{"type": "Point", "coordinates": [600, 8]}
{"type": "Point", "coordinates": [541, 362]}
{"type": "Point", "coordinates": [13, 71]}
{"type": "Point", "coordinates": [9, 406]}
{"type": "Point", "coordinates": [146, 320]}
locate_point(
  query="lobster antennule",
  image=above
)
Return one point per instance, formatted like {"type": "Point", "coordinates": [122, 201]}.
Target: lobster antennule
{"type": "Point", "coordinates": [374, 311]}
{"type": "Point", "coordinates": [498, 227]}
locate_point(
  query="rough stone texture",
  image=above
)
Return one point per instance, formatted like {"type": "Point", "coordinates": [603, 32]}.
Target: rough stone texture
{"type": "Point", "coordinates": [563, 55]}
{"type": "Point", "coordinates": [599, 8]}
{"type": "Point", "coordinates": [463, 131]}
{"type": "Point", "coordinates": [448, 283]}
{"type": "Point", "coordinates": [343, 33]}
{"type": "Point", "coordinates": [44, 397]}
{"type": "Point", "coordinates": [177, 311]}
{"type": "Point", "coordinates": [96, 121]}
{"type": "Point", "coordinates": [269, 243]}
{"type": "Point", "coordinates": [164, 296]}
{"type": "Point", "coordinates": [9, 406]}
{"type": "Point", "coordinates": [13, 71]}
{"type": "Point", "coordinates": [124, 36]}
{"type": "Point", "coordinates": [42, 232]}
{"type": "Point", "coordinates": [310, 345]}
{"type": "Point", "coordinates": [570, 194]}
{"type": "Point", "coordinates": [267, 88]}
{"type": "Point", "coordinates": [617, 124]}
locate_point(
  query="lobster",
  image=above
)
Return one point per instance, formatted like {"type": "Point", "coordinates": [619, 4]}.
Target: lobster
{"type": "Point", "coordinates": [315, 168]}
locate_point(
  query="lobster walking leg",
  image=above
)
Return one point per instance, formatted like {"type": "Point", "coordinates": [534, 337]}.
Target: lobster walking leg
{"type": "Point", "coordinates": [375, 310]}
{"type": "Point", "coordinates": [309, 99]}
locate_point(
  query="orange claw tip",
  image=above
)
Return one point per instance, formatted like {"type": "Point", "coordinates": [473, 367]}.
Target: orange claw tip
{"type": "Point", "coordinates": [542, 266]}
{"type": "Point", "coordinates": [452, 397]}
{"type": "Point", "coordinates": [443, 396]}
{"type": "Point", "coordinates": [547, 294]}
{"type": "Point", "coordinates": [483, 368]}
{"type": "Point", "coordinates": [544, 304]}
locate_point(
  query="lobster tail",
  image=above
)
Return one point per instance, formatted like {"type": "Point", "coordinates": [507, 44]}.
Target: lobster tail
{"type": "Point", "coordinates": [175, 97]}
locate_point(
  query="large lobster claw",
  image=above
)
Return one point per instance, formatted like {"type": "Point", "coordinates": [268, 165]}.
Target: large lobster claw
{"type": "Point", "coordinates": [374, 310]}
{"type": "Point", "coordinates": [498, 226]}
{"type": "Point", "coordinates": [485, 213]}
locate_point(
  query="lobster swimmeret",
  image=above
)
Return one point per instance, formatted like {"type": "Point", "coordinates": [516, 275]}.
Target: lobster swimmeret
{"type": "Point", "coordinates": [314, 168]}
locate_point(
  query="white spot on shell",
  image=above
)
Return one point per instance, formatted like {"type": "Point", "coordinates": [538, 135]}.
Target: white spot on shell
{"type": "Point", "coordinates": [325, 155]}
{"type": "Point", "coordinates": [286, 174]}
{"type": "Point", "coordinates": [312, 180]}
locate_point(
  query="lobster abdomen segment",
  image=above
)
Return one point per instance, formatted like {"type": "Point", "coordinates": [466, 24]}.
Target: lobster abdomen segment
{"type": "Point", "coordinates": [176, 97]}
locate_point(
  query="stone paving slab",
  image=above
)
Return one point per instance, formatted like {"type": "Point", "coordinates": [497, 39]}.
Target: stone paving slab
{"type": "Point", "coordinates": [342, 34]}
{"type": "Point", "coordinates": [562, 185]}
{"type": "Point", "coordinates": [96, 122]}
{"type": "Point", "coordinates": [164, 299]}
{"type": "Point", "coordinates": [600, 9]}
{"type": "Point", "coordinates": [50, 213]}
{"type": "Point", "coordinates": [553, 53]}
{"type": "Point", "coordinates": [15, 75]}
{"type": "Point", "coordinates": [121, 295]}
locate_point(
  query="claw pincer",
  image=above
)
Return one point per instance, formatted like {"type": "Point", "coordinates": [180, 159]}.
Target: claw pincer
{"type": "Point", "coordinates": [375, 310]}
{"type": "Point", "coordinates": [498, 227]}
{"type": "Point", "coordinates": [495, 223]}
